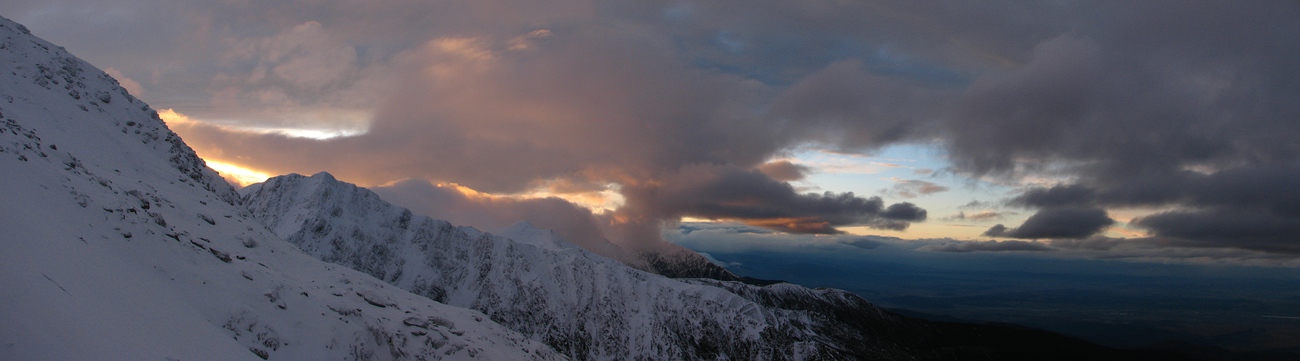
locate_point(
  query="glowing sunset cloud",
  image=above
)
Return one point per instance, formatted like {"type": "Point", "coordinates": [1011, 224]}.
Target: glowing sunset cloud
{"type": "Point", "coordinates": [175, 119]}
{"type": "Point", "coordinates": [238, 175]}
{"type": "Point", "coordinates": [598, 201]}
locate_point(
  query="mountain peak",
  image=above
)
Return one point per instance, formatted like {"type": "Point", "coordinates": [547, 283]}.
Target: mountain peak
{"type": "Point", "coordinates": [323, 175]}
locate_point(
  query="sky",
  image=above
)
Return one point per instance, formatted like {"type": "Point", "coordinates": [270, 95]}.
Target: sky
{"type": "Point", "coordinates": [1151, 131]}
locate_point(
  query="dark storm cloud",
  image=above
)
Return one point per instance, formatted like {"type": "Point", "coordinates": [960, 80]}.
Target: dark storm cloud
{"type": "Point", "coordinates": [904, 212]}
{"type": "Point", "coordinates": [784, 170]}
{"type": "Point", "coordinates": [987, 246]}
{"type": "Point", "coordinates": [1141, 102]}
{"type": "Point", "coordinates": [1069, 222]}
{"type": "Point", "coordinates": [845, 105]}
{"type": "Point", "coordinates": [1227, 227]}
{"type": "Point", "coordinates": [1251, 207]}
{"type": "Point", "coordinates": [1188, 106]}
{"type": "Point", "coordinates": [1267, 186]}
{"type": "Point", "coordinates": [1056, 196]}
{"type": "Point", "coordinates": [997, 230]}
{"type": "Point", "coordinates": [733, 193]}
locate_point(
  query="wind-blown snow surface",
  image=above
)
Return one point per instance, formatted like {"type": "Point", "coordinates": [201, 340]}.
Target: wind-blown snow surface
{"type": "Point", "coordinates": [582, 304]}
{"type": "Point", "coordinates": [118, 243]}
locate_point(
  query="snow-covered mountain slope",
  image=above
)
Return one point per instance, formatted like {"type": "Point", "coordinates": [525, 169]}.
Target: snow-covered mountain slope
{"type": "Point", "coordinates": [582, 304]}
{"type": "Point", "coordinates": [118, 243]}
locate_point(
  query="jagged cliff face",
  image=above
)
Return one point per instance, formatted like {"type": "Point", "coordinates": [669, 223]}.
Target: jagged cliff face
{"type": "Point", "coordinates": [583, 305]}
{"type": "Point", "coordinates": [117, 242]}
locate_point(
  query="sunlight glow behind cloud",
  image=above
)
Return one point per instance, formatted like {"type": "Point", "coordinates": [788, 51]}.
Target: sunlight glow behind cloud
{"type": "Point", "coordinates": [174, 118]}
{"type": "Point", "coordinates": [598, 201]}
{"type": "Point", "coordinates": [236, 174]}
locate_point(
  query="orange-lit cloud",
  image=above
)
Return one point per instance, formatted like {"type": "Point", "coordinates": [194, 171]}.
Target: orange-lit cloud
{"type": "Point", "coordinates": [176, 120]}
{"type": "Point", "coordinates": [237, 175]}
{"type": "Point", "coordinates": [796, 225]}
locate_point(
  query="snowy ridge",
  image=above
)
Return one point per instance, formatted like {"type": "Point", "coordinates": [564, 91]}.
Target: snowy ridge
{"type": "Point", "coordinates": [119, 243]}
{"type": "Point", "coordinates": [582, 304]}
{"type": "Point", "coordinates": [525, 233]}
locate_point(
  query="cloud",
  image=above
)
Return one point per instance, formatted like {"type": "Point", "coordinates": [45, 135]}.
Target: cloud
{"type": "Point", "coordinates": [304, 58]}
{"type": "Point", "coordinates": [673, 139]}
{"type": "Point", "coordinates": [734, 237]}
{"type": "Point", "coordinates": [1153, 109]}
{"type": "Point", "coordinates": [734, 228]}
{"type": "Point", "coordinates": [1226, 227]}
{"type": "Point", "coordinates": [981, 216]}
{"type": "Point", "coordinates": [1166, 250]}
{"type": "Point", "coordinates": [912, 188]}
{"type": "Point", "coordinates": [305, 76]}
{"type": "Point", "coordinates": [1164, 105]}
{"type": "Point", "coordinates": [1057, 223]}
{"type": "Point", "coordinates": [462, 206]}
{"type": "Point", "coordinates": [1100, 244]}
{"type": "Point", "coordinates": [975, 204]}
{"type": "Point", "coordinates": [1245, 207]}
{"type": "Point", "coordinates": [845, 105]}
{"type": "Point", "coordinates": [733, 193]}
{"type": "Point", "coordinates": [998, 230]}
{"type": "Point", "coordinates": [784, 170]}
{"type": "Point", "coordinates": [720, 262]}
{"type": "Point", "coordinates": [987, 246]}
{"type": "Point", "coordinates": [904, 212]}
{"type": "Point", "coordinates": [1055, 196]}
{"type": "Point", "coordinates": [864, 243]}
{"type": "Point", "coordinates": [722, 237]}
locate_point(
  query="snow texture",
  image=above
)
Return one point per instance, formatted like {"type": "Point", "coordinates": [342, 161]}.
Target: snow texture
{"type": "Point", "coordinates": [583, 305]}
{"type": "Point", "coordinates": [118, 243]}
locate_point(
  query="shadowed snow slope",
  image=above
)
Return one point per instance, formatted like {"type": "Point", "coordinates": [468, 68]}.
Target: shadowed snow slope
{"type": "Point", "coordinates": [582, 304]}
{"type": "Point", "coordinates": [118, 243]}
